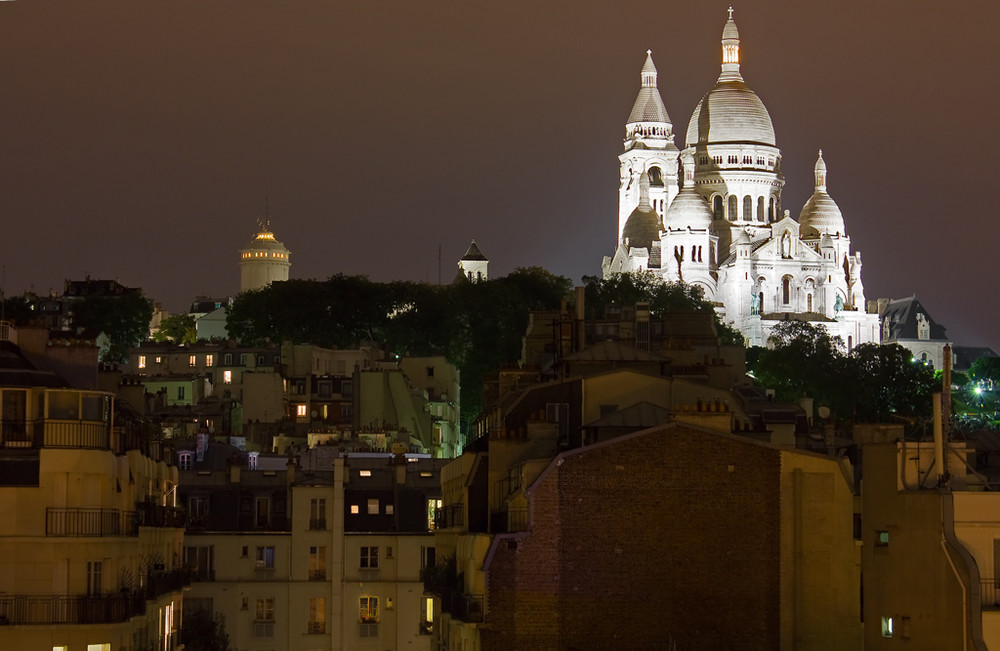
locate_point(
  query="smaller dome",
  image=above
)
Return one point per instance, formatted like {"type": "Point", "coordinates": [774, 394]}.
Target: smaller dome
{"type": "Point", "coordinates": [643, 226]}
{"type": "Point", "coordinates": [688, 209]}
{"type": "Point", "coordinates": [821, 215]}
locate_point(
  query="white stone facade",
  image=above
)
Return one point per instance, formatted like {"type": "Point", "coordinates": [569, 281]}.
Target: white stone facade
{"type": "Point", "coordinates": [721, 223]}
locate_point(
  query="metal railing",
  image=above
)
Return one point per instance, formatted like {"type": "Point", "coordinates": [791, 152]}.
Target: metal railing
{"type": "Point", "coordinates": [510, 520]}
{"type": "Point", "coordinates": [989, 594]}
{"type": "Point", "coordinates": [151, 514]}
{"type": "Point", "coordinates": [317, 575]}
{"type": "Point", "coordinates": [316, 627]}
{"type": "Point", "coordinates": [89, 609]}
{"type": "Point", "coordinates": [81, 522]}
{"type": "Point", "coordinates": [449, 516]}
{"type": "Point", "coordinates": [466, 607]}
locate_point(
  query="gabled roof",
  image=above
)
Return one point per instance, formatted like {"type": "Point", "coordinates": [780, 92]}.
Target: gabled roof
{"type": "Point", "coordinates": [901, 315]}
{"type": "Point", "coordinates": [640, 416]}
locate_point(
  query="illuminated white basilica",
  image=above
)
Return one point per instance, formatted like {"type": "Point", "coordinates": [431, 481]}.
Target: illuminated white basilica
{"type": "Point", "coordinates": [710, 214]}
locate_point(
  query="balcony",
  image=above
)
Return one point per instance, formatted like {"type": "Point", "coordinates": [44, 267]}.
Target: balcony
{"type": "Point", "coordinates": [510, 520]}
{"type": "Point", "coordinates": [317, 524]}
{"type": "Point", "coordinates": [42, 433]}
{"type": "Point", "coordinates": [157, 515]}
{"type": "Point", "coordinates": [316, 628]}
{"type": "Point", "coordinates": [85, 523]}
{"type": "Point", "coordinates": [70, 609]}
{"type": "Point", "coordinates": [450, 516]}
{"type": "Point", "coordinates": [89, 609]}
{"type": "Point", "coordinates": [464, 607]}
{"type": "Point", "coordinates": [317, 575]}
{"type": "Point", "coordinates": [989, 594]}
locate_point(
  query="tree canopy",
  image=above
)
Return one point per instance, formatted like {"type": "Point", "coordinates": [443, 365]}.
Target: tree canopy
{"type": "Point", "coordinates": [663, 298]}
{"type": "Point", "coordinates": [476, 325]}
{"type": "Point", "coordinates": [179, 328]}
{"type": "Point", "coordinates": [203, 632]}
{"type": "Point", "coordinates": [124, 319]}
{"type": "Point", "coordinates": [871, 383]}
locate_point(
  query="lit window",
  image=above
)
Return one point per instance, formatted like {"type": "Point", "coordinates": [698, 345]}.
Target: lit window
{"type": "Point", "coordinates": [355, 509]}
{"type": "Point", "coordinates": [372, 506]}
{"type": "Point", "coordinates": [317, 563]}
{"type": "Point", "coordinates": [184, 460]}
{"type": "Point", "coordinates": [192, 360]}
{"type": "Point", "coordinates": [317, 615]}
{"type": "Point", "coordinates": [364, 473]}
{"type": "Point", "coordinates": [142, 361]}
{"type": "Point", "coordinates": [369, 610]}
{"type": "Point", "coordinates": [265, 610]}
{"type": "Point", "coordinates": [158, 359]}
{"type": "Point", "coordinates": [389, 509]}
{"type": "Point", "coordinates": [887, 627]}
{"type": "Point", "coordinates": [209, 360]}
{"type": "Point", "coordinates": [227, 377]}
{"type": "Point", "coordinates": [301, 410]}
{"type": "Point", "coordinates": [881, 538]}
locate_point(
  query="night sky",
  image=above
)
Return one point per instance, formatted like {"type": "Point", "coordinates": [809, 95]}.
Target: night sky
{"type": "Point", "coordinates": [139, 139]}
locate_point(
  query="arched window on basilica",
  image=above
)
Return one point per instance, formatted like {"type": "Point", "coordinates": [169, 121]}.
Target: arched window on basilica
{"type": "Point", "coordinates": [734, 206]}
{"type": "Point", "coordinates": [717, 207]}
{"type": "Point", "coordinates": [786, 290]}
{"type": "Point", "coordinates": [655, 177]}
{"type": "Point", "coordinates": [747, 208]}
{"type": "Point", "coordinates": [760, 209]}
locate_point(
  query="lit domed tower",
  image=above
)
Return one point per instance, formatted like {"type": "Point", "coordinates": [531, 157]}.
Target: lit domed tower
{"type": "Point", "coordinates": [649, 149]}
{"type": "Point", "coordinates": [821, 214]}
{"type": "Point", "coordinates": [737, 162]}
{"type": "Point", "coordinates": [264, 261]}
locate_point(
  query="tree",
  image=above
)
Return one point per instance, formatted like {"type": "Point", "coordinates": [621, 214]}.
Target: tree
{"type": "Point", "coordinates": [986, 371]}
{"type": "Point", "coordinates": [662, 297]}
{"type": "Point", "coordinates": [124, 319]}
{"type": "Point", "coordinates": [801, 360]}
{"type": "Point", "coordinates": [179, 328]}
{"type": "Point", "coordinates": [873, 383]}
{"type": "Point", "coordinates": [884, 381]}
{"type": "Point", "coordinates": [203, 632]}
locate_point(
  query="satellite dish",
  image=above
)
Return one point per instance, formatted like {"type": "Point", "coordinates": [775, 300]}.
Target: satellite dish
{"type": "Point", "coordinates": [824, 412]}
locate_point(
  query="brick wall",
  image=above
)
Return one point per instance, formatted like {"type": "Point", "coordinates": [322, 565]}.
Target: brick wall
{"type": "Point", "coordinates": [672, 534]}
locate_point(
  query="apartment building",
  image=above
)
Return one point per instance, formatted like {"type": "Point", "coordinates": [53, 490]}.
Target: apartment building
{"type": "Point", "coordinates": [90, 536]}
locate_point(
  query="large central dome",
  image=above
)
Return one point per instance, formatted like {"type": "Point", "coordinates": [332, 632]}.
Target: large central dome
{"type": "Point", "coordinates": [730, 112]}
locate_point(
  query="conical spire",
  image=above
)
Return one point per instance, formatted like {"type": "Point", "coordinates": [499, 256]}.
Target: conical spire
{"type": "Point", "coordinates": [648, 105]}
{"type": "Point", "coordinates": [730, 49]}
{"type": "Point", "coordinates": [649, 71]}
{"type": "Point", "coordinates": [820, 172]}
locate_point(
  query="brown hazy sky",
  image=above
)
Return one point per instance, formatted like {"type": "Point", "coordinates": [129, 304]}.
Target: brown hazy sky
{"type": "Point", "coordinates": [138, 139]}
